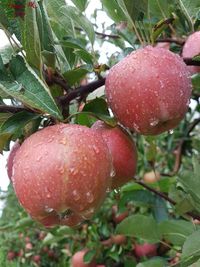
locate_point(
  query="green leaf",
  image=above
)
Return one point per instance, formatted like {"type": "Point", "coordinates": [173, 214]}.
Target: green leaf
{"type": "Point", "coordinates": [4, 117]}
{"type": "Point", "coordinates": [80, 4]}
{"type": "Point", "coordinates": [176, 231]}
{"type": "Point", "coordinates": [89, 256]}
{"type": "Point", "coordinates": [84, 55]}
{"type": "Point", "coordinates": [160, 27]}
{"type": "Point", "coordinates": [13, 127]}
{"type": "Point", "coordinates": [191, 247]}
{"type": "Point", "coordinates": [113, 10]}
{"type": "Point", "coordinates": [191, 183]}
{"type": "Point", "coordinates": [23, 223]}
{"type": "Point", "coordinates": [27, 87]}
{"type": "Point", "coordinates": [56, 16]}
{"type": "Point", "coordinates": [79, 20]}
{"type": "Point", "coordinates": [46, 34]}
{"type": "Point", "coordinates": [31, 38]}
{"type": "Point", "coordinates": [140, 226]}
{"type": "Point", "coordinates": [134, 10]}
{"type": "Point", "coordinates": [75, 76]}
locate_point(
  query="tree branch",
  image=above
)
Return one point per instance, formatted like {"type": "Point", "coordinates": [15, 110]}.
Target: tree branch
{"type": "Point", "coordinates": [191, 62]}
{"type": "Point", "coordinates": [178, 41]}
{"type": "Point", "coordinates": [81, 91]}
{"type": "Point", "coordinates": [13, 109]}
{"type": "Point", "coordinates": [165, 197]}
{"type": "Point", "coordinates": [179, 149]}
{"type": "Point", "coordinates": [104, 35]}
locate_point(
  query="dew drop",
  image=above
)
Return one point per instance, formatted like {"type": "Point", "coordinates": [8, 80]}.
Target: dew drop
{"type": "Point", "coordinates": [90, 197]}
{"type": "Point", "coordinates": [154, 122]}
{"type": "Point", "coordinates": [47, 209]}
{"type": "Point", "coordinates": [96, 150]}
{"type": "Point", "coordinates": [76, 195]}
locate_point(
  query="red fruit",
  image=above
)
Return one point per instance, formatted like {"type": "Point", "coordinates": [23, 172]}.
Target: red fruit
{"type": "Point", "coordinates": [118, 239]}
{"type": "Point", "coordinates": [149, 90]}
{"type": "Point", "coordinates": [191, 48]}
{"type": "Point", "coordinates": [123, 152]}
{"type": "Point", "coordinates": [62, 173]}
{"type": "Point", "coordinates": [101, 266]}
{"type": "Point", "coordinates": [36, 258]}
{"type": "Point", "coordinates": [11, 255]}
{"type": "Point", "coordinates": [151, 177]}
{"type": "Point", "coordinates": [29, 246]}
{"type": "Point", "coordinates": [145, 250]}
{"type": "Point", "coordinates": [10, 159]}
{"type": "Point", "coordinates": [77, 260]}
{"type": "Point", "coordinates": [120, 217]}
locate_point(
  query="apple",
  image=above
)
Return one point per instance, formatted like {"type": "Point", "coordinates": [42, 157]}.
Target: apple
{"type": "Point", "coordinates": [37, 258]}
{"type": "Point", "coordinates": [191, 48]}
{"type": "Point", "coordinates": [11, 255]}
{"type": "Point", "coordinates": [62, 174]}
{"type": "Point", "coordinates": [10, 159]}
{"type": "Point", "coordinates": [145, 250]}
{"type": "Point", "coordinates": [118, 239]}
{"type": "Point", "coordinates": [151, 177]}
{"type": "Point", "coordinates": [123, 151]}
{"type": "Point", "coordinates": [118, 217]}
{"type": "Point", "coordinates": [77, 260]}
{"type": "Point", "coordinates": [29, 246]}
{"type": "Point", "coordinates": [149, 90]}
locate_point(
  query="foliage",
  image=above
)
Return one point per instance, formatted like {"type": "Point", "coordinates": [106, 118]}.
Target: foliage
{"type": "Point", "coordinates": [47, 75]}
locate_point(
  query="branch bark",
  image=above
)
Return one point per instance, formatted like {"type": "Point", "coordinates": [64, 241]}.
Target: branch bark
{"type": "Point", "coordinates": [178, 41]}
{"type": "Point", "coordinates": [13, 109]}
{"type": "Point", "coordinates": [81, 91]}
{"type": "Point", "coordinates": [165, 197]}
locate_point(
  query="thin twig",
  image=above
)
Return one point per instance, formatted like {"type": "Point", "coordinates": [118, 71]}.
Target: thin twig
{"type": "Point", "coordinates": [165, 197]}
{"type": "Point", "coordinates": [179, 149]}
{"type": "Point", "coordinates": [178, 41]}
{"type": "Point", "coordinates": [13, 109]}
{"type": "Point", "coordinates": [191, 62]}
{"type": "Point", "coordinates": [81, 91]}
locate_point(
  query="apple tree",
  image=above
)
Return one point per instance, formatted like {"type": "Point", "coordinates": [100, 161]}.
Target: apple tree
{"type": "Point", "coordinates": [99, 108]}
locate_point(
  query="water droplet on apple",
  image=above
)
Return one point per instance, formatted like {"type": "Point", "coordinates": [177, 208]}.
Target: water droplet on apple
{"type": "Point", "coordinates": [76, 195]}
{"type": "Point", "coordinates": [90, 197]}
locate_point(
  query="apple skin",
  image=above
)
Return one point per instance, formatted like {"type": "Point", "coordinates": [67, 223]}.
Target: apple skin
{"type": "Point", "coordinates": [149, 90]}
{"type": "Point", "coordinates": [77, 260]}
{"type": "Point", "coordinates": [62, 173]}
{"type": "Point", "coordinates": [11, 255]}
{"type": "Point", "coordinates": [191, 48]}
{"type": "Point", "coordinates": [145, 250]}
{"type": "Point", "coordinates": [10, 159]}
{"type": "Point", "coordinates": [151, 177]}
{"type": "Point", "coordinates": [123, 151]}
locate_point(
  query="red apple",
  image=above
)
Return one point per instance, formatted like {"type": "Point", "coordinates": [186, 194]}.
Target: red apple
{"type": "Point", "coordinates": [77, 260]}
{"type": "Point", "coordinates": [62, 173]}
{"type": "Point", "coordinates": [37, 258]}
{"type": "Point", "coordinates": [145, 250]}
{"type": "Point", "coordinates": [191, 48]}
{"type": "Point", "coordinates": [11, 255]}
{"type": "Point", "coordinates": [151, 177]}
{"type": "Point", "coordinates": [118, 239]}
{"type": "Point", "coordinates": [28, 246]}
{"type": "Point", "coordinates": [149, 90]}
{"type": "Point", "coordinates": [10, 159]}
{"type": "Point", "coordinates": [123, 151]}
